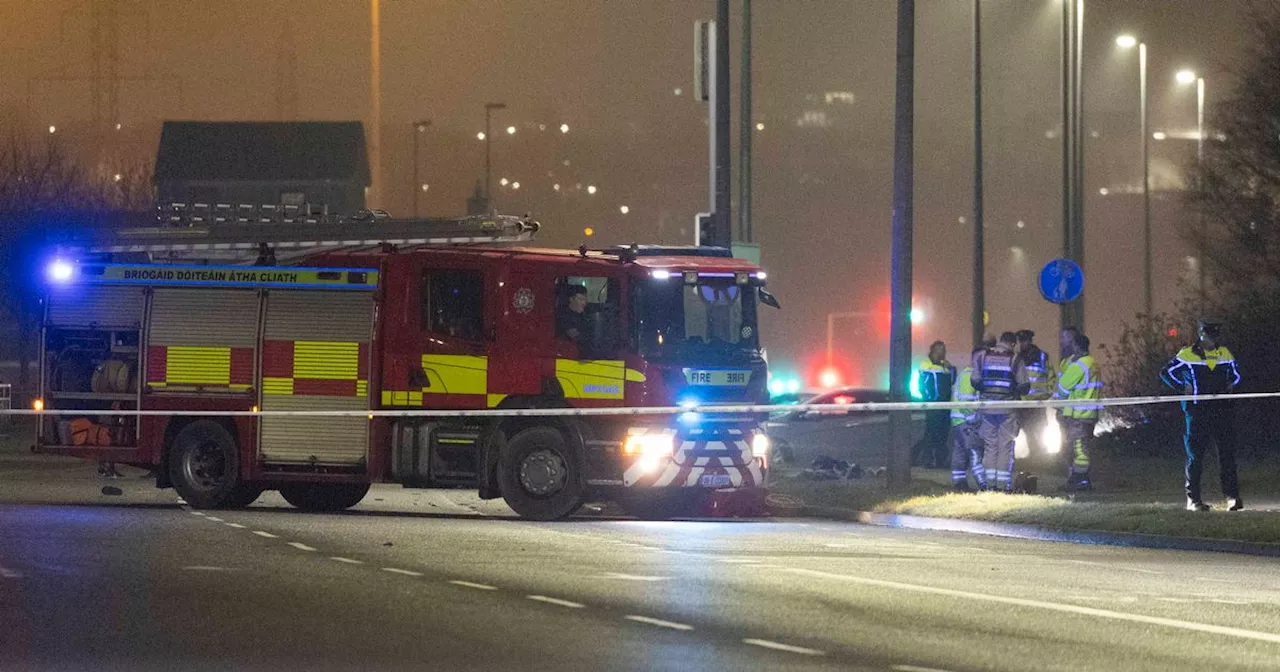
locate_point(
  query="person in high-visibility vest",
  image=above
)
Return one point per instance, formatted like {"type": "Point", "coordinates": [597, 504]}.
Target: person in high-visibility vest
{"type": "Point", "coordinates": [999, 376]}
{"type": "Point", "coordinates": [1040, 377]}
{"type": "Point", "coordinates": [1207, 367]}
{"type": "Point", "coordinates": [936, 378]}
{"type": "Point", "coordinates": [1080, 382]}
{"type": "Point", "coordinates": [966, 445]}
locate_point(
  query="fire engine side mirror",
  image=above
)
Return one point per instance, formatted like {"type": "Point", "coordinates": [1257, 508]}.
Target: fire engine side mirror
{"type": "Point", "coordinates": [768, 299]}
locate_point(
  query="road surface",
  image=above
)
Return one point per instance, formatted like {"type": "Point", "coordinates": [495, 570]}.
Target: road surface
{"type": "Point", "coordinates": [440, 580]}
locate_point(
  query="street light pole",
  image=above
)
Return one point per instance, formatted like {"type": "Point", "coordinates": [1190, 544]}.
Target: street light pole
{"type": "Point", "coordinates": [979, 261]}
{"type": "Point", "coordinates": [419, 127]}
{"type": "Point", "coordinates": [899, 463]}
{"type": "Point", "coordinates": [1200, 179]}
{"type": "Point", "coordinates": [488, 143]}
{"type": "Point", "coordinates": [1147, 301]}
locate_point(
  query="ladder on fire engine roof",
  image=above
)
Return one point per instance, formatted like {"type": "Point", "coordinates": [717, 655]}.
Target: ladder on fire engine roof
{"type": "Point", "coordinates": [177, 234]}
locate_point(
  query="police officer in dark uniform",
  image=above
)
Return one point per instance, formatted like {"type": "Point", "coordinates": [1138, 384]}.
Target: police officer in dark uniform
{"type": "Point", "coordinates": [1206, 368]}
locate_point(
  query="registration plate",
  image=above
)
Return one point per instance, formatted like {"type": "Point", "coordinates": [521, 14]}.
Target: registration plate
{"type": "Point", "coordinates": [716, 377]}
{"type": "Point", "coordinates": [715, 481]}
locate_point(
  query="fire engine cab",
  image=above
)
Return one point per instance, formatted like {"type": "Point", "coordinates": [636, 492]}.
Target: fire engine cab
{"type": "Point", "coordinates": [403, 315]}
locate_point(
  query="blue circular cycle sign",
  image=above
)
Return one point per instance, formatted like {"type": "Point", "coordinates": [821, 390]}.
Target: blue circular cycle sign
{"type": "Point", "coordinates": [1061, 281]}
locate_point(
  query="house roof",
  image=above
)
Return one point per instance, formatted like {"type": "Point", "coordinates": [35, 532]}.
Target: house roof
{"type": "Point", "coordinates": [262, 151]}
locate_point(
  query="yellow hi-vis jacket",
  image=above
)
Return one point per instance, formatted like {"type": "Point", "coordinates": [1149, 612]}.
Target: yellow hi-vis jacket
{"type": "Point", "coordinates": [964, 391]}
{"type": "Point", "coordinates": [1039, 374]}
{"type": "Point", "coordinates": [1080, 382]}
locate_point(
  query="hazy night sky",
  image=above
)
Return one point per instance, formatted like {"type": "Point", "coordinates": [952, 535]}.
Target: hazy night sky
{"type": "Point", "coordinates": [610, 70]}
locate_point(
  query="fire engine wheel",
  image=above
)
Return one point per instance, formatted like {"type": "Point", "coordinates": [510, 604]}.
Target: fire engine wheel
{"type": "Point", "coordinates": [204, 466]}
{"type": "Point", "coordinates": [540, 475]}
{"type": "Point", "coordinates": [664, 503]}
{"type": "Point", "coordinates": [324, 496]}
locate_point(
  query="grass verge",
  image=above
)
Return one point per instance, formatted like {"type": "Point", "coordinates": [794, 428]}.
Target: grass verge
{"type": "Point", "coordinates": [1060, 513]}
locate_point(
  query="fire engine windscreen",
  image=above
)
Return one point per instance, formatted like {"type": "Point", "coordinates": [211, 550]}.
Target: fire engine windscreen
{"type": "Point", "coordinates": [713, 317]}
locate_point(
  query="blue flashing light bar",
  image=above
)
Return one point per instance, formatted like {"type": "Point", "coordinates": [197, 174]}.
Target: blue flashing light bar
{"type": "Point", "coordinates": [63, 272]}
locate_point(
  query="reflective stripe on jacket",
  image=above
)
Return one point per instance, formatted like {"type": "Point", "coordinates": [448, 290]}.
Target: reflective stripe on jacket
{"type": "Point", "coordinates": [1206, 371]}
{"type": "Point", "coordinates": [997, 375]}
{"type": "Point", "coordinates": [936, 380]}
{"type": "Point", "coordinates": [1039, 375]}
{"type": "Point", "coordinates": [964, 391]}
{"type": "Point", "coordinates": [1080, 382]}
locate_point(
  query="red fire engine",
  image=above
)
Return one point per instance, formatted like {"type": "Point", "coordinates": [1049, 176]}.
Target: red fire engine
{"type": "Point", "coordinates": [402, 315]}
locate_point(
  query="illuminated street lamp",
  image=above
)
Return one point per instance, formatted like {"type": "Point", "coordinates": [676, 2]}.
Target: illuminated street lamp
{"type": "Point", "coordinates": [564, 128]}
{"type": "Point", "coordinates": [591, 188]}
{"type": "Point", "coordinates": [511, 130]}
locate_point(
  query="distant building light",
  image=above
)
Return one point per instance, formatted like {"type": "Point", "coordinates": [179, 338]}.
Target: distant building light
{"type": "Point", "coordinates": [511, 130]}
{"type": "Point", "coordinates": [564, 128]}
{"type": "Point", "coordinates": [678, 91]}
{"type": "Point", "coordinates": [591, 189]}
{"type": "Point", "coordinates": [624, 209]}
{"type": "Point", "coordinates": [117, 177]}
{"type": "Point", "coordinates": [119, 126]}
{"type": "Point", "coordinates": [843, 97]}
{"type": "Point", "coordinates": [426, 187]}
{"type": "Point", "coordinates": [53, 129]}
{"type": "Point", "coordinates": [588, 231]}
{"type": "Point", "coordinates": [480, 135]}
{"type": "Point", "coordinates": [1186, 76]}
{"type": "Point", "coordinates": [504, 181]}
{"type": "Point", "coordinates": [1104, 191]}
{"type": "Point", "coordinates": [515, 185]}
{"type": "Point", "coordinates": [813, 119]}
{"type": "Point", "coordinates": [542, 127]}
{"type": "Point", "coordinates": [1159, 135]}
{"type": "Point", "coordinates": [1126, 41]}
{"type": "Point", "coordinates": [556, 186]}
{"type": "Point", "coordinates": [963, 219]}
{"type": "Point", "coordinates": [1021, 224]}
{"type": "Point", "coordinates": [759, 125]}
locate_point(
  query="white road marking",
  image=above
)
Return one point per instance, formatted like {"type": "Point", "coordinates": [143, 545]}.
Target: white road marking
{"type": "Point", "coordinates": [1051, 606]}
{"type": "Point", "coordinates": [198, 513]}
{"type": "Point", "coordinates": [268, 535]}
{"type": "Point", "coordinates": [556, 601]}
{"type": "Point", "coordinates": [739, 561]}
{"type": "Point", "coordinates": [1207, 578]}
{"type": "Point", "coordinates": [301, 547]}
{"type": "Point", "coordinates": [406, 572]}
{"type": "Point", "coordinates": [658, 622]}
{"type": "Point", "coordinates": [214, 519]}
{"type": "Point", "coordinates": [349, 561]}
{"type": "Point", "coordinates": [1110, 566]}
{"type": "Point", "coordinates": [779, 646]}
{"type": "Point", "coordinates": [915, 668]}
{"type": "Point", "coordinates": [630, 577]}
{"type": "Point", "coordinates": [238, 526]}
{"type": "Point", "coordinates": [477, 586]}
{"type": "Point", "coordinates": [205, 568]}
{"type": "Point", "coordinates": [9, 573]}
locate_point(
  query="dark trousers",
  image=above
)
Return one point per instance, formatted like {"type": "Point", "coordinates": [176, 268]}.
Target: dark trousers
{"type": "Point", "coordinates": [933, 451]}
{"type": "Point", "coordinates": [1208, 423]}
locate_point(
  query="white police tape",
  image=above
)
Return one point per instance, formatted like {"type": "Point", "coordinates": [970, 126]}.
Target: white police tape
{"type": "Point", "coordinates": [871, 407]}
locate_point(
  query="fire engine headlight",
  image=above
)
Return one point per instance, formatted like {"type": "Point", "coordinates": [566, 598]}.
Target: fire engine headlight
{"type": "Point", "coordinates": [650, 446]}
{"type": "Point", "coordinates": [760, 445]}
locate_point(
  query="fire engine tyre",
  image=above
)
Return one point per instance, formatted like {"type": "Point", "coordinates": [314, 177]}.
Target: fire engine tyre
{"type": "Point", "coordinates": [540, 475]}
{"type": "Point", "coordinates": [324, 496]}
{"type": "Point", "coordinates": [664, 503]}
{"type": "Point", "coordinates": [204, 466]}
{"type": "Point", "coordinates": [242, 496]}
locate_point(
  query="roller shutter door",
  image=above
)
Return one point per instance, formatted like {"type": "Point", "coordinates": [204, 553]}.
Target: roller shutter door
{"type": "Point", "coordinates": [316, 357]}
{"type": "Point", "coordinates": [203, 338]}
{"type": "Point", "coordinates": [100, 306]}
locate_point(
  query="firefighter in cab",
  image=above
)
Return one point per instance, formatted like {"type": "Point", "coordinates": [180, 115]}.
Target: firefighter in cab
{"type": "Point", "coordinates": [998, 375]}
{"type": "Point", "coordinates": [937, 376]}
{"type": "Point", "coordinates": [1207, 368]}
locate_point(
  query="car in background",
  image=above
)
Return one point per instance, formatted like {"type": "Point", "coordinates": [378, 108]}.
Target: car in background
{"type": "Point", "coordinates": [799, 436]}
